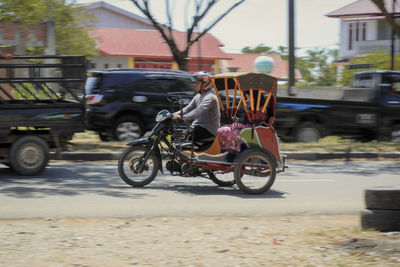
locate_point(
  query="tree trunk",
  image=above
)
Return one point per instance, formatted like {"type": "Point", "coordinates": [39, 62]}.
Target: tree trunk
{"type": "Point", "coordinates": [180, 58]}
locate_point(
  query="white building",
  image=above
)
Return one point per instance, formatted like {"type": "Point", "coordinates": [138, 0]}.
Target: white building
{"type": "Point", "coordinates": [363, 28]}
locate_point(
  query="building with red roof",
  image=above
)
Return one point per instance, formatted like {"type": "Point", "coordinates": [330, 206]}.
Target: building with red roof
{"type": "Point", "coordinates": [126, 40]}
{"type": "Point", "coordinates": [147, 49]}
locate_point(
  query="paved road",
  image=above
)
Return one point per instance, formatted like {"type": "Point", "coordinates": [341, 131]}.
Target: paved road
{"type": "Point", "coordinates": [82, 189]}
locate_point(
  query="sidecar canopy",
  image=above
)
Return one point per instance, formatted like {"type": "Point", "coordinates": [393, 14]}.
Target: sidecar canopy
{"type": "Point", "coordinates": [257, 94]}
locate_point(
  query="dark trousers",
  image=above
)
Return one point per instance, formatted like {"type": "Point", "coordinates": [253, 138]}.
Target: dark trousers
{"type": "Point", "coordinates": [201, 133]}
{"type": "Point", "coordinates": [200, 136]}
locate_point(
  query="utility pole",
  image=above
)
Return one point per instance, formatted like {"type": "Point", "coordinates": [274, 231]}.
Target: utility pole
{"type": "Point", "coordinates": [291, 87]}
{"type": "Point", "coordinates": [392, 44]}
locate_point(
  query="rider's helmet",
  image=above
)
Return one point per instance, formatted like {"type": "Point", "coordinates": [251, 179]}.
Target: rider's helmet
{"type": "Point", "coordinates": [204, 78]}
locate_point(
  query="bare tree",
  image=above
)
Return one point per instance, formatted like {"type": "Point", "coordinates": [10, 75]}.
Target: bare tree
{"type": "Point", "coordinates": [389, 18]}
{"type": "Point", "coordinates": [166, 31]}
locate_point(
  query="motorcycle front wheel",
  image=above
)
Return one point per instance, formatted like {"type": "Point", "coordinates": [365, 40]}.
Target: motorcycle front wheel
{"type": "Point", "coordinates": [134, 170]}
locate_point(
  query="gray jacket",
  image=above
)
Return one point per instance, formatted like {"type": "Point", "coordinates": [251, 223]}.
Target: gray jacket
{"type": "Point", "coordinates": [204, 111]}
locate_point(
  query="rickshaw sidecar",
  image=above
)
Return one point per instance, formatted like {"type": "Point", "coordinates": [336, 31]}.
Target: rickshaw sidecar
{"type": "Point", "coordinates": [252, 96]}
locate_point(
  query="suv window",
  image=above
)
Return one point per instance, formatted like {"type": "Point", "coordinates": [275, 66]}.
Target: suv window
{"type": "Point", "coordinates": [394, 81]}
{"type": "Point", "coordinates": [153, 85]}
{"type": "Point", "coordinates": [112, 81]}
{"type": "Point", "coordinates": [91, 84]}
{"type": "Point", "coordinates": [182, 85]}
{"type": "Point", "coordinates": [363, 81]}
{"type": "Point", "coordinates": [162, 85]}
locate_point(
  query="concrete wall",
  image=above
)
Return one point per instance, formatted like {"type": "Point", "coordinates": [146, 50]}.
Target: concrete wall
{"type": "Point", "coordinates": [20, 36]}
{"type": "Point", "coordinates": [101, 61]}
{"type": "Point", "coordinates": [330, 93]}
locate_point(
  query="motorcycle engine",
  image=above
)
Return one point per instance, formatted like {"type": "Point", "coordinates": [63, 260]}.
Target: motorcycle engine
{"type": "Point", "coordinates": [173, 166]}
{"type": "Point", "coordinates": [190, 169]}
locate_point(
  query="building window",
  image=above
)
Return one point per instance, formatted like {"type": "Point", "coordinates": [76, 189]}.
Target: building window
{"type": "Point", "coordinates": [357, 30]}
{"type": "Point", "coordinates": [364, 31]}
{"type": "Point", "coordinates": [384, 30]}
{"type": "Point", "coordinates": [92, 65]}
{"type": "Point", "coordinates": [350, 45]}
{"type": "Point", "coordinates": [119, 65]}
{"type": "Point", "coordinates": [106, 66]}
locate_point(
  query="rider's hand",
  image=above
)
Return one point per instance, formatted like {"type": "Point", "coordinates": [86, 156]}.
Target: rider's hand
{"type": "Point", "coordinates": [177, 117]}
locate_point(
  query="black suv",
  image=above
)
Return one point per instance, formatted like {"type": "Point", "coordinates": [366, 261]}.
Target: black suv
{"type": "Point", "coordinates": [122, 103]}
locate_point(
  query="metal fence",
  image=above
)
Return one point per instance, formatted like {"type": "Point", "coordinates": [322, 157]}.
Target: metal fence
{"type": "Point", "coordinates": [33, 79]}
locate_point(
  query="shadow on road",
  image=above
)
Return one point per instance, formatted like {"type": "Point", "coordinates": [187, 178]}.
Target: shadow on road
{"type": "Point", "coordinates": [101, 178]}
{"type": "Point", "coordinates": [73, 179]}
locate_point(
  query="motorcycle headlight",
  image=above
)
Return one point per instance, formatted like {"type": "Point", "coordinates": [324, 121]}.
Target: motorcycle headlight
{"type": "Point", "coordinates": [163, 115]}
{"type": "Point", "coordinates": [148, 134]}
{"type": "Point", "coordinates": [159, 118]}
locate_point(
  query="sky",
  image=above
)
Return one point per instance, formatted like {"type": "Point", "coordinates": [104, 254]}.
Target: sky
{"type": "Point", "coordinates": [256, 22]}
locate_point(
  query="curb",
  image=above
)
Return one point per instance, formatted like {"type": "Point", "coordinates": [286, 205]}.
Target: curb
{"type": "Point", "coordinates": [341, 155]}
{"type": "Point", "coordinates": [95, 156]}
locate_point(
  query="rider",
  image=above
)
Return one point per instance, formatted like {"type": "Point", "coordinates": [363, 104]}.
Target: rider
{"type": "Point", "coordinates": [203, 110]}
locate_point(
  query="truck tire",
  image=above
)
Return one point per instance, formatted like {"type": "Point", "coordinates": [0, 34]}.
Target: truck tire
{"type": "Point", "coordinates": [307, 132]}
{"type": "Point", "coordinates": [127, 128]}
{"type": "Point", "coordinates": [104, 137]}
{"type": "Point", "coordinates": [380, 220]}
{"type": "Point", "coordinates": [383, 198]}
{"type": "Point", "coordinates": [29, 155]}
{"type": "Point", "coordinates": [395, 133]}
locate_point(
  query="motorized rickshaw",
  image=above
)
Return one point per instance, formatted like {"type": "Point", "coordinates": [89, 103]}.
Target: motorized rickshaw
{"type": "Point", "coordinates": [252, 169]}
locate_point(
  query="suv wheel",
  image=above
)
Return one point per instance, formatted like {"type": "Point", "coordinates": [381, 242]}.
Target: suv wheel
{"type": "Point", "coordinates": [127, 128]}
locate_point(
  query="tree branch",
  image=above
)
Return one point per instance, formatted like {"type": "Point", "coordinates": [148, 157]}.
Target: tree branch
{"type": "Point", "coordinates": [166, 31]}
{"type": "Point", "coordinates": [215, 22]}
{"type": "Point", "coordinates": [145, 9]}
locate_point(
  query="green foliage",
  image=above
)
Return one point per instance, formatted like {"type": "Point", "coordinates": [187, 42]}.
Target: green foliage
{"type": "Point", "coordinates": [378, 60]}
{"type": "Point", "coordinates": [72, 24]}
{"type": "Point", "coordinates": [259, 49]}
{"type": "Point", "coordinates": [28, 92]}
{"type": "Point", "coordinates": [31, 11]}
{"type": "Point", "coordinates": [315, 67]}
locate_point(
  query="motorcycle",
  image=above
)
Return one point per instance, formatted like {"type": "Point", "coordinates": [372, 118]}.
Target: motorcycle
{"type": "Point", "coordinates": [254, 168]}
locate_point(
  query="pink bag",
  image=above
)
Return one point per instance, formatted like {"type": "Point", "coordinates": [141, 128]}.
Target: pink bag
{"type": "Point", "coordinates": [229, 137]}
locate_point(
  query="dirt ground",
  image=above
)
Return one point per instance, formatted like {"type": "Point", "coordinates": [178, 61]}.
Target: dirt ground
{"type": "Point", "coordinates": [332, 240]}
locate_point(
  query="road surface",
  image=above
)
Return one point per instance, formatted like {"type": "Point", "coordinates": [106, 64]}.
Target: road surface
{"type": "Point", "coordinates": [83, 189]}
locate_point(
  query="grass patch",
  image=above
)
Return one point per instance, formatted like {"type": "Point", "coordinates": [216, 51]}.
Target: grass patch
{"type": "Point", "coordinates": [90, 142]}
{"type": "Point", "coordinates": [338, 144]}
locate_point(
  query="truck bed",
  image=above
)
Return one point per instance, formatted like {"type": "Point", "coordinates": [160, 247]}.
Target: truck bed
{"type": "Point", "coordinates": [41, 93]}
{"type": "Point", "coordinates": [64, 117]}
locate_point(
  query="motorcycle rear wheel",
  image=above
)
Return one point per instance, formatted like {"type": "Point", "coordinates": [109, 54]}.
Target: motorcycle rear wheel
{"type": "Point", "coordinates": [255, 171]}
{"type": "Point", "coordinates": [133, 170]}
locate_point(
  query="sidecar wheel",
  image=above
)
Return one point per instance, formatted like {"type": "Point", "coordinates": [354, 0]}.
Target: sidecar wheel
{"type": "Point", "coordinates": [133, 170]}
{"type": "Point", "coordinates": [225, 179]}
{"type": "Point", "coordinates": [255, 171]}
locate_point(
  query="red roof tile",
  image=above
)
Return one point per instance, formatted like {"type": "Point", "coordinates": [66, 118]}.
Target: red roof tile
{"type": "Point", "coordinates": [149, 43]}
{"type": "Point", "coordinates": [245, 63]}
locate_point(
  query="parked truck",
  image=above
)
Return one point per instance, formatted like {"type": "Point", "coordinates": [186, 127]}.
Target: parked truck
{"type": "Point", "coordinates": [42, 105]}
{"type": "Point", "coordinates": [377, 117]}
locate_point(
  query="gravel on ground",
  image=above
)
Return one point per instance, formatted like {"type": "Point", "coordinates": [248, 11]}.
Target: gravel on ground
{"type": "Point", "coordinates": [310, 240]}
